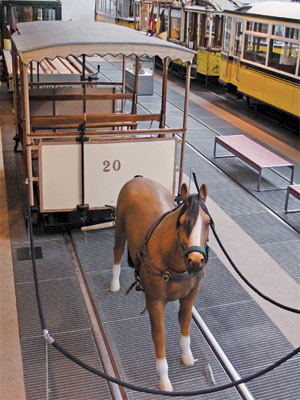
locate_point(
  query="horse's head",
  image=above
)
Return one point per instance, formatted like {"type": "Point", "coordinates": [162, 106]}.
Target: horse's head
{"type": "Point", "coordinates": [193, 228]}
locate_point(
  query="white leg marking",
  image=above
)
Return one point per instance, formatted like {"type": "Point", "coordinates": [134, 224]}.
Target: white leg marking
{"type": "Point", "coordinates": [162, 369]}
{"type": "Point", "coordinates": [115, 282]}
{"type": "Point", "coordinates": [187, 356]}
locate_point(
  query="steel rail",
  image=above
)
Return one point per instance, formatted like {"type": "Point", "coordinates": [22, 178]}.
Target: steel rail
{"type": "Point", "coordinates": [221, 355]}
{"type": "Point", "coordinates": [117, 392]}
{"type": "Point", "coordinates": [103, 344]}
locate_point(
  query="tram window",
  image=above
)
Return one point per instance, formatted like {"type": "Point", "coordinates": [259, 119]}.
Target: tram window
{"type": "Point", "coordinates": [238, 38]}
{"type": "Point", "coordinates": [122, 9]}
{"type": "Point", "coordinates": [18, 13]}
{"type": "Point", "coordinates": [286, 32]}
{"type": "Point", "coordinates": [257, 27]}
{"type": "Point", "coordinates": [175, 24]}
{"type": "Point", "coordinates": [226, 44]}
{"type": "Point", "coordinates": [255, 49]}
{"type": "Point", "coordinates": [5, 18]}
{"type": "Point", "coordinates": [144, 16]}
{"type": "Point", "coordinates": [283, 56]}
{"type": "Point", "coordinates": [28, 14]}
{"type": "Point", "coordinates": [131, 4]}
{"type": "Point", "coordinates": [217, 31]}
{"type": "Point", "coordinates": [192, 31]}
{"type": "Point", "coordinates": [106, 6]}
{"type": "Point", "coordinates": [49, 14]}
{"type": "Point", "coordinates": [38, 14]}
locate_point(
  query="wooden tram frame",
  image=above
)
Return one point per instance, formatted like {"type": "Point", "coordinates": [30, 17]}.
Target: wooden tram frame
{"type": "Point", "coordinates": [48, 40]}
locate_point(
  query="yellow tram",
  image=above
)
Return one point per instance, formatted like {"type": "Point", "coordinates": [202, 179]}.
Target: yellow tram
{"type": "Point", "coordinates": [82, 140]}
{"type": "Point", "coordinates": [197, 25]}
{"type": "Point", "coordinates": [260, 54]}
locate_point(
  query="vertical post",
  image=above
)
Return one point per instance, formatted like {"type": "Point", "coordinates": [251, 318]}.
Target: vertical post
{"type": "Point", "coordinates": [162, 122]}
{"type": "Point", "coordinates": [136, 86]}
{"type": "Point", "coordinates": [208, 53]}
{"type": "Point", "coordinates": [38, 72]}
{"type": "Point", "coordinates": [83, 79]}
{"type": "Point", "coordinates": [184, 123]}
{"type": "Point", "coordinates": [123, 83]}
{"type": "Point", "coordinates": [83, 68]}
{"type": "Point", "coordinates": [15, 86]}
{"type": "Point", "coordinates": [31, 72]}
{"type": "Point", "coordinates": [82, 208]}
{"type": "Point", "coordinates": [26, 127]}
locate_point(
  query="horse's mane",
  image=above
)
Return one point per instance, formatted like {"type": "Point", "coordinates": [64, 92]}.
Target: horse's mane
{"type": "Point", "coordinates": [191, 206]}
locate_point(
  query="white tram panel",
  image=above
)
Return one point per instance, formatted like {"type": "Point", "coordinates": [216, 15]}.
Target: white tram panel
{"type": "Point", "coordinates": [108, 166]}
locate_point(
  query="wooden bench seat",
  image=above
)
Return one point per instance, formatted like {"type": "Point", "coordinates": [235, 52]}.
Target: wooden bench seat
{"type": "Point", "coordinates": [92, 120]}
{"type": "Point", "coordinates": [253, 154]}
{"type": "Point", "coordinates": [293, 190]}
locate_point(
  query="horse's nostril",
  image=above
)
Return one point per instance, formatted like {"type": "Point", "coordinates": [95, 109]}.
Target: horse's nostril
{"type": "Point", "coordinates": [195, 258]}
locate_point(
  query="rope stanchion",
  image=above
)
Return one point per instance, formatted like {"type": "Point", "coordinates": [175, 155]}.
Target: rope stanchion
{"type": "Point", "coordinates": [50, 340]}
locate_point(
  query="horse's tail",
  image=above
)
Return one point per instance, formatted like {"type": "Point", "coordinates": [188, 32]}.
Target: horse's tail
{"type": "Point", "coordinates": [129, 260]}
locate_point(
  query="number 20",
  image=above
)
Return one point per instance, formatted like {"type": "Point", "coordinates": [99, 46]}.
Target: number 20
{"type": "Point", "coordinates": [116, 165]}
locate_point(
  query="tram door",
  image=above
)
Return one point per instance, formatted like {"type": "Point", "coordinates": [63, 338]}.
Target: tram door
{"type": "Point", "coordinates": [192, 23]}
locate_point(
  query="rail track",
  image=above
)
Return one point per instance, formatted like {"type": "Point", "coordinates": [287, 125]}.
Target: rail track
{"type": "Point", "coordinates": [102, 341]}
{"type": "Point", "coordinates": [122, 336]}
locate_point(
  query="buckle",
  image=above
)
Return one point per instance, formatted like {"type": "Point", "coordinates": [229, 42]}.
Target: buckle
{"type": "Point", "coordinates": [166, 276]}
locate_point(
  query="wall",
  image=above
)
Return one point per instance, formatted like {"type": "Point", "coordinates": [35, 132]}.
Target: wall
{"type": "Point", "coordinates": [78, 10]}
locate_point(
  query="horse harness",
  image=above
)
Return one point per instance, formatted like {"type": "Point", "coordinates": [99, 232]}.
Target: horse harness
{"type": "Point", "coordinates": [142, 254]}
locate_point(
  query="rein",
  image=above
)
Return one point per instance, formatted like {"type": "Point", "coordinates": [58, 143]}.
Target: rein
{"type": "Point", "coordinates": [142, 255]}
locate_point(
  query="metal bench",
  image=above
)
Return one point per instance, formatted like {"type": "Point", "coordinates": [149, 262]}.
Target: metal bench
{"type": "Point", "coordinates": [253, 154]}
{"type": "Point", "coordinates": [294, 190]}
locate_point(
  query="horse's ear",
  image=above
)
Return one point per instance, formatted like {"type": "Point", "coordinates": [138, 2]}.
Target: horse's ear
{"type": "Point", "coordinates": [203, 191]}
{"type": "Point", "coordinates": [184, 191]}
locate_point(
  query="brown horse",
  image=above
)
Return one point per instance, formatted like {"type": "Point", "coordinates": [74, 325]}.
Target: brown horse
{"type": "Point", "coordinates": [169, 249]}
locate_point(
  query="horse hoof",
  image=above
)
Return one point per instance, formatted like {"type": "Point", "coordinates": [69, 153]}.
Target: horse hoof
{"type": "Point", "coordinates": [188, 360]}
{"type": "Point", "coordinates": [166, 386]}
{"type": "Point", "coordinates": [114, 286]}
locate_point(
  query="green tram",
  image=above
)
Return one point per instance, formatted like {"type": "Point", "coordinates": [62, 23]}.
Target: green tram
{"type": "Point", "coordinates": [26, 11]}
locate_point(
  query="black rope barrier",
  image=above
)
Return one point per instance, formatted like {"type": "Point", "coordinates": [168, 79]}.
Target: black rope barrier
{"type": "Point", "coordinates": [177, 393]}
{"type": "Point", "coordinates": [32, 251]}
{"type": "Point", "coordinates": [62, 350]}
{"type": "Point", "coordinates": [276, 303]}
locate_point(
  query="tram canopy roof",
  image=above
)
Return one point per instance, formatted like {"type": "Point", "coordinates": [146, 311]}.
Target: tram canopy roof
{"type": "Point", "coordinates": [272, 10]}
{"type": "Point", "coordinates": [49, 39]}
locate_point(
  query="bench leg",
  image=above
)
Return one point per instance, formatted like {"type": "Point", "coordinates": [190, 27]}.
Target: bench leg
{"type": "Point", "coordinates": [287, 199]}
{"type": "Point", "coordinates": [259, 180]}
{"type": "Point", "coordinates": [292, 174]}
{"type": "Point", "coordinates": [215, 148]}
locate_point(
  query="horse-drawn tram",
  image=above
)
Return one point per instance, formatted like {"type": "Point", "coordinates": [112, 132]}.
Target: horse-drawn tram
{"type": "Point", "coordinates": [81, 144]}
{"type": "Point", "coordinates": [62, 127]}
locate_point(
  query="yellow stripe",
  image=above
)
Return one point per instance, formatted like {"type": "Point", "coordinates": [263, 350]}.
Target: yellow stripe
{"type": "Point", "coordinates": [268, 75]}
{"type": "Point", "coordinates": [257, 133]}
